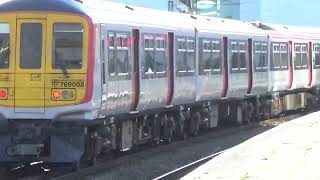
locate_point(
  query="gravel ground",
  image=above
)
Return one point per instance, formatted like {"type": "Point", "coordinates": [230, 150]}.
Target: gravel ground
{"type": "Point", "coordinates": [155, 162]}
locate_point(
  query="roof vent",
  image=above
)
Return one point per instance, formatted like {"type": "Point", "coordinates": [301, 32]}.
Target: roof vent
{"type": "Point", "coordinates": [79, 1]}
{"type": "Point", "coordinates": [130, 8]}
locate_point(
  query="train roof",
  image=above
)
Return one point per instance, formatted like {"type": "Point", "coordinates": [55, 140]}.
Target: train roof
{"type": "Point", "coordinates": [65, 6]}
{"type": "Point", "coordinates": [110, 12]}
{"type": "Point", "coordinates": [289, 31]}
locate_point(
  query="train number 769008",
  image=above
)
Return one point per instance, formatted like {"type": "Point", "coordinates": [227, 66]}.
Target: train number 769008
{"type": "Point", "coordinates": [68, 84]}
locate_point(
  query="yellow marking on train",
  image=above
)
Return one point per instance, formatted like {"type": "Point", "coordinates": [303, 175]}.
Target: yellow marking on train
{"type": "Point", "coordinates": [28, 88]}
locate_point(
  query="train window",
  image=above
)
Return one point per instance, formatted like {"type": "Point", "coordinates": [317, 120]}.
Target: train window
{"type": "Point", "coordinates": [180, 58]}
{"type": "Point", "coordinates": [242, 55]}
{"type": "Point", "coordinates": [5, 45]}
{"type": "Point", "coordinates": [284, 55]}
{"type": "Point", "coordinates": [148, 55]}
{"type": "Point", "coordinates": [238, 56]}
{"type": "Point", "coordinates": [160, 56]}
{"type": "Point", "coordinates": [122, 67]}
{"type": "Point", "coordinates": [155, 61]}
{"type": "Point", "coordinates": [301, 56]}
{"type": "Point", "coordinates": [276, 57]}
{"type": "Point", "coordinates": [279, 59]}
{"type": "Point", "coordinates": [304, 56]}
{"type": "Point", "coordinates": [260, 56]}
{"type": "Point", "coordinates": [112, 55]}
{"type": "Point", "coordinates": [264, 54]}
{"type": "Point", "coordinates": [217, 56]}
{"type": "Point", "coordinates": [67, 46]}
{"type": "Point", "coordinates": [185, 56]}
{"type": "Point", "coordinates": [316, 57]}
{"type": "Point", "coordinates": [118, 55]}
{"type": "Point", "coordinates": [160, 43]}
{"type": "Point", "coordinates": [210, 56]}
{"type": "Point", "coordinates": [297, 58]}
{"type": "Point", "coordinates": [190, 56]}
{"type": "Point", "coordinates": [234, 56]}
{"type": "Point", "coordinates": [205, 57]}
{"type": "Point", "coordinates": [206, 45]}
{"type": "Point", "coordinates": [111, 40]}
{"type": "Point", "coordinates": [30, 53]}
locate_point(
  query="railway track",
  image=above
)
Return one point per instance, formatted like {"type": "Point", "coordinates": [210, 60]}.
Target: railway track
{"type": "Point", "coordinates": [106, 163]}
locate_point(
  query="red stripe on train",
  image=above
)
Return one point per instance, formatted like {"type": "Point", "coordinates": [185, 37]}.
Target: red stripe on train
{"type": "Point", "coordinates": [90, 64]}
{"type": "Point", "coordinates": [170, 69]}
{"type": "Point", "coordinates": [225, 67]}
{"type": "Point", "coordinates": [310, 63]}
{"type": "Point", "coordinates": [290, 66]}
{"type": "Point", "coordinates": [136, 76]}
{"type": "Point", "coordinates": [250, 78]}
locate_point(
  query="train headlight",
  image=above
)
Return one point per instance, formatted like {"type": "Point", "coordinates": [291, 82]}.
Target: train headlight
{"type": "Point", "coordinates": [63, 94]}
{"type": "Point", "coordinates": [3, 94]}
{"type": "Point", "coordinates": [68, 94]}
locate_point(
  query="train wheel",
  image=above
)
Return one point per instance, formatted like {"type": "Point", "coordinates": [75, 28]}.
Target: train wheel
{"type": "Point", "coordinates": [248, 112]}
{"type": "Point", "coordinates": [194, 123]}
{"type": "Point", "coordinates": [167, 128]}
{"type": "Point", "coordinates": [181, 127]}
{"type": "Point", "coordinates": [156, 130]}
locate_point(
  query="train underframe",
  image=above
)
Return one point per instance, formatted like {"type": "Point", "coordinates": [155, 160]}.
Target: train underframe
{"type": "Point", "coordinates": [26, 141]}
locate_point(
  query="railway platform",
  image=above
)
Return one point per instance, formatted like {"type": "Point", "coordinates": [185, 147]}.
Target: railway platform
{"type": "Point", "coordinates": [287, 152]}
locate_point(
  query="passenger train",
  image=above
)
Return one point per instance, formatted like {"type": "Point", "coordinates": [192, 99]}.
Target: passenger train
{"type": "Point", "coordinates": [78, 79]}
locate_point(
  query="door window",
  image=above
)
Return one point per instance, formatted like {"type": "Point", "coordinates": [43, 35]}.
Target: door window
{"type": "Point", "coordinates": [67, 46]}
{"type": "Point", "coordinates": [4, 45]}
{"type": "Point", "coordinates": [30, 45]}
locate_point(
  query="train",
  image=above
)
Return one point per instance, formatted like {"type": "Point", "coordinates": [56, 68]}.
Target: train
{"type": "Point", "coordinates": [83, 78]}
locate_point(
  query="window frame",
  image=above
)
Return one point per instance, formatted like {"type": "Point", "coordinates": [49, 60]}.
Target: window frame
{"type": "Point", "coordinates": [214, 46]}
{"type": "Point", "coordinates": [301, 51]}
{"type": "Point", "coordinates": [115, 48]}
{"type": "Point", "coordinates": [262, 51]}
{"type": "Point", "coordinates": [280, 51]}
{"type": "Point", "coordinates": [316, 50]}
{"type": "Point", "coordinates": [53, 45]}
{"type": "Point", "coordinates": [238, 46]}
{"type": "Point", "coordinates": [184, 51]}
{"type": "Point", "coordinates": [154, 49]}
{"type": "Point", "coordinates": [8, 36]}
{"type": "Point", "coordinates": [40, 64]}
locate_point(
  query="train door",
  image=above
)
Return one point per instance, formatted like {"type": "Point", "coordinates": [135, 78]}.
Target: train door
{"type": "Point", "coordinates": [30, 66]}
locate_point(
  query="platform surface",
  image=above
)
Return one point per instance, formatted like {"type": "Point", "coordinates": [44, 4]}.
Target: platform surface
{"type": "Point", "coordinates": [290, 151]}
